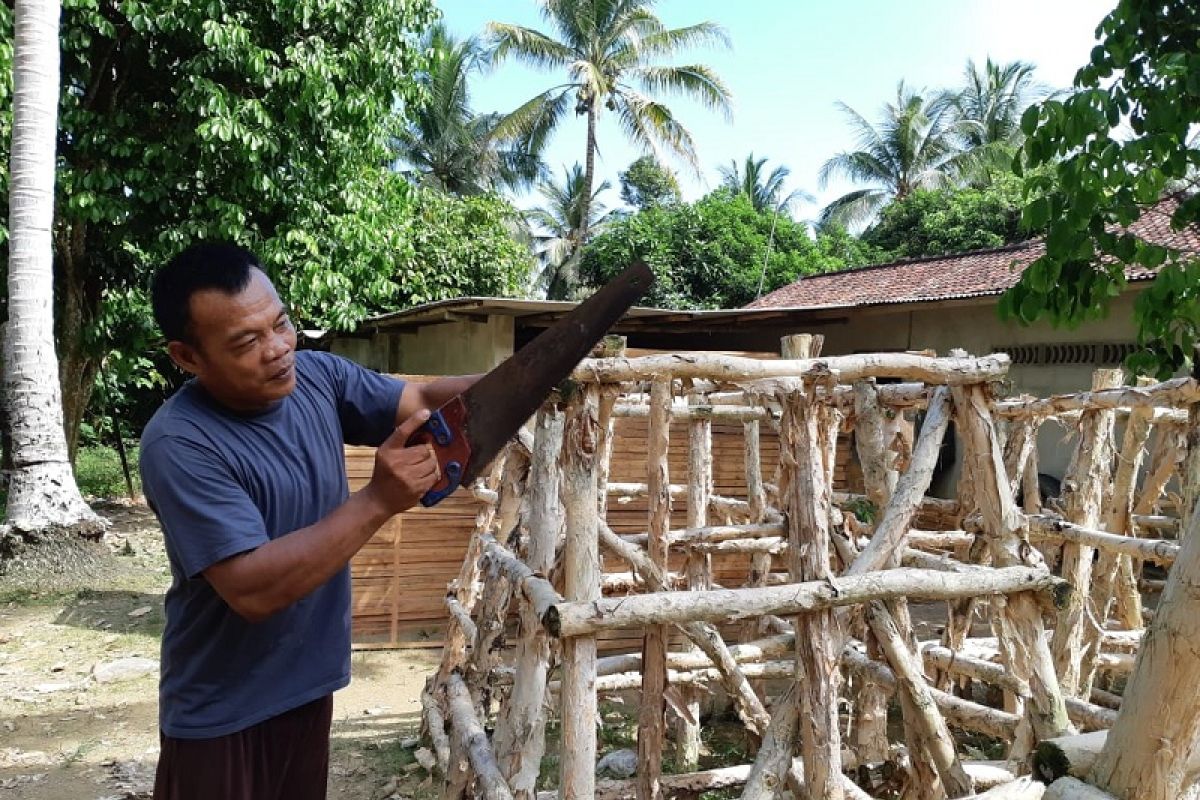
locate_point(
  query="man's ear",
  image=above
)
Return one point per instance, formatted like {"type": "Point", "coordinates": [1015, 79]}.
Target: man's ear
{"type": "Point", "coordinates": [185, 356]}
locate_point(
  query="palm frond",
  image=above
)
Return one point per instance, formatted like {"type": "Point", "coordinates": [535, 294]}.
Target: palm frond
{"type": "Point", "coordinates": [652, 125]}
{"type": "Point", "coordinates": [853, 209]}
{"type": "Point", "coordinates": [528, 46]}
{"type": "Point", "coordinates": [695, 81]}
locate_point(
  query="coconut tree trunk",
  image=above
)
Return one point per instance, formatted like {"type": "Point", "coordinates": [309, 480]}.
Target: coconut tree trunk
{"type": "Point", "coordinates": [43, 497]}
{"type": "Point", "coordinates": [589, 179]}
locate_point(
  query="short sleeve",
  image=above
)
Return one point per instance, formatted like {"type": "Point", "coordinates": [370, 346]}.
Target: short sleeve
{"type": "Point", "coordinates": [206, 514]}
{"type": "Point", "coordinates": [366, 402]}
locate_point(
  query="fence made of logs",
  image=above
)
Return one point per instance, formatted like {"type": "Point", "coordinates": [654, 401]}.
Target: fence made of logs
{"type": "Point", "coordinates": [1091, 692]}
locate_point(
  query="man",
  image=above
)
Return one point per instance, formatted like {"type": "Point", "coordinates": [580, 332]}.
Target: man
{"type": "Point", "coordinates": [244, 467]}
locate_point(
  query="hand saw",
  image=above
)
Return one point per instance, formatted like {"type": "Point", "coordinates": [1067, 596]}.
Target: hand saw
{"type": "Point", "coordinates": [468, 431]}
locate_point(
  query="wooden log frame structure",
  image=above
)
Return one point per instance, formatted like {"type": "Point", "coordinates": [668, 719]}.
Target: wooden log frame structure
{"type": "Point", "coordinates": [821, 575]}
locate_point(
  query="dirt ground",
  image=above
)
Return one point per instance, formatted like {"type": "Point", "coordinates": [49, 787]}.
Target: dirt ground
{"type": "Point", "coordinates": [65, 735]}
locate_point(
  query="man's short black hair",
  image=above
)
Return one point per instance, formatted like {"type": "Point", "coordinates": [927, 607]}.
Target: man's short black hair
{"type": "Point", "coordinates": [207, 265]}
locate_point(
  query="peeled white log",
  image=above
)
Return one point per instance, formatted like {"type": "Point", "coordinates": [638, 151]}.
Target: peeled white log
{"type": "Point", "coordinates": [770, 546]}
{"type": "Point", "coordinates": [519, 740]}
{"type": "Point", "coordinates": [1083, 496]}
{"type": "Point", "coordinates": [713, 533]}
{"type": "Point", "coordinates": [803, 429]}
{"type": "Point", "coordinates": [488, 780]}
{"type": "Point", "coordinates": [938, 657]}
{"type": "Point", "coordinates": [434, 724]}
{"type": "Point", "coordinates": [928, 728]}
{"type": "Point", "coordinates": [1160, 551]}
{"type": "Point", "coordinates": [1019, 789]}
{"type": "Point", "coordinates": [705, 637]}
{"type": "Point", "coordinates": [1148, 753]}
{"type": "Point", "coordinates": [1169, 394]}
{"type": "Point", "coordinates": [535, 589]}
{"type": "Point", "coordinates": [577, 773]}
{"type": "Point", "coordinates": [715, 413]}
{"type": "Point", "coordinates": [1074, 789]}
{"type": "Point", "coordinates": [940, 539]}
{"type": "Point", "coordinates": [1155, 522]}
{"type": "Point", "coordinates": [622, 582]}
{"type": "Point", "coordinates": [848, 369]}
{"type": "Point", "coordinates": [1024, 650]}
{"type": "Point", "coordinates": [963, 713]}
{"type": "Point", "coordinates": [728, 605]}
{"type": "Point", "coordinates": [460, 616]}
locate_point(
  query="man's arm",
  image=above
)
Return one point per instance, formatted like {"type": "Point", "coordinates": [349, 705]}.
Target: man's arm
{"type": "Point", "coordinates": [431, 396]}
{"type": "Point", "coordinates": [258, 583]}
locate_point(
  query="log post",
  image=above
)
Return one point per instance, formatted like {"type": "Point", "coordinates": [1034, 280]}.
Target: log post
{"type": "Point", "coordinates": [807, 507]}
{"type": "Point", "coordinates": [520, 732]}
{"type": "Point", "coordinates": [582, 583]}
{"type": "Point", "coordinates": [1157, 732]}
{"type": "Point", "coordinates": [1116, 521]}
{"type": "Point", "coordinates": [871, 706]}
{"type": "Point", "coordinates": [1018, 619]}
{"type": "Point", "coordinates": [1083, 500]}
{"type": "Point", "coordinates": [654, 643]}
{"type": "Point", "coordinates": [1168, 451]}
{"type": "Point", "coordinates": [699, 566]}
{"type": "Point", "coordinates": [497, 591]}
{"type": "Point", "coordinates": [760, 563]}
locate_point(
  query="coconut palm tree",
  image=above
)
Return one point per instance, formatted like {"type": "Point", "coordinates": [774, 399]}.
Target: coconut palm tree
{"type": "Point", "coordinates": [914, 146]}
{"type": "Point", "coordinates": [765, 190]}
{"type": "Point", "coordinates": [558, 225]}
{"type": "Point", "coordinates": [987, 111]}
{"type": "Point", "coordinates": [607, 49]}
{"type": "Point", "coordinates": [42, 494]}
{"type": "Point", "coordinates": [445, 143]}
{"type": "Point", "coordinates": [992, 100]}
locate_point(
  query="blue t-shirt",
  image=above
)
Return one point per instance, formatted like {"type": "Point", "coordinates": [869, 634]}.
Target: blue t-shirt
{"type": "Point", "coordinates": [224, 483]}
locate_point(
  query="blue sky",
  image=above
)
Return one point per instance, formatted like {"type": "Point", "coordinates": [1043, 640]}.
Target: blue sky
{"type": "Point", "coordinates": [792, 60]}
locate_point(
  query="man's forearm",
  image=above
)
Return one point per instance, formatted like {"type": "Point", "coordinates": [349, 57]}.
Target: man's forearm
{"type": "Point", "coordinates": [264, 581]}
{"type": "Point", "coordinates": [432, 395]}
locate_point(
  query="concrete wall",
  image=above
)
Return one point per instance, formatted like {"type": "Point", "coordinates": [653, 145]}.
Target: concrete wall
{"type": "Point", "coordinates": [456, 347]}
{"type": "Point", "coordinates": [976, 328]}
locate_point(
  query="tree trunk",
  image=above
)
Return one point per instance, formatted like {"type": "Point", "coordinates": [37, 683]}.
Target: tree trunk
{"type": "Point", "coordinates": [78, 366]}
{"type": "Point", "coordinates": [582, 558]}
{"type": "Point", "coordinates": [1157, 733]}
{"type": "Point", "coordinates": [654, 644]}
{"type": "Point", "coordinates": [44, 502]}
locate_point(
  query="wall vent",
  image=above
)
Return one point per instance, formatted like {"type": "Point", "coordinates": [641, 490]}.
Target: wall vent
{"type": "Point", "coordinates": [1104, 354]}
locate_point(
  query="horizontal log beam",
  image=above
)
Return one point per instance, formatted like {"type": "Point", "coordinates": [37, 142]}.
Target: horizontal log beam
{"type": "Point", "coordinates": [534, 588]}
{"type": "Point", "coordinates": [729, 413]}
{"type": "Point", "coordinates": [712, 533]}
{"type": "Point", "coordinates": [1175, 393]}
{"type": "Point", "coordinates": [730, 605]}
{"type": "Point", "coordinates": [1159, 551]}
{"type": "Point", "coordinates": [846, 369]}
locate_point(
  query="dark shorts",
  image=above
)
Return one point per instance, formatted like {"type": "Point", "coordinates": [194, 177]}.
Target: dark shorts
{"type": "Point", "coordinates": [283, 758]}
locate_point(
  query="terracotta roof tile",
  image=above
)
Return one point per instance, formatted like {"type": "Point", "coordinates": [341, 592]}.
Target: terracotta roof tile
{"type": "Point", "coordinates": [974, 274]}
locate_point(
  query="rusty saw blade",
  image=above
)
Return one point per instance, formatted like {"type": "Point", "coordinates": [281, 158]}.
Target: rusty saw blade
{"type": "Point", "coordinates": [469, 431]}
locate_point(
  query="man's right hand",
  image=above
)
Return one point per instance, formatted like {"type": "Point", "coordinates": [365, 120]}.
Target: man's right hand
{"type": "Point", "coordinates": [404, 474]}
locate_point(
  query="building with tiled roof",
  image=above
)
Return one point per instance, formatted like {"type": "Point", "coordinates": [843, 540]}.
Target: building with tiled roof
{"type": "Point", "coordinates": [979, 273]}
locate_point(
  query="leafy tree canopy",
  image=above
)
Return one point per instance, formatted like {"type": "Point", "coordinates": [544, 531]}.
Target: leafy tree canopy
{"type": "Point", "coordinates": [1145, 74]}
{"type": "Point", "coordinates": [710, 254]}
{"type": "Point", "coordinates": [263, 122]}
{"type": "Point", "coordinates": [932, 222]}
{"type": "Point", "coordinates": [647, 183]}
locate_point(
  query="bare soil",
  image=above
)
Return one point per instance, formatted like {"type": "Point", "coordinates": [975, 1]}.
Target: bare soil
{"type": "Point", "coordinates": [66, 736]}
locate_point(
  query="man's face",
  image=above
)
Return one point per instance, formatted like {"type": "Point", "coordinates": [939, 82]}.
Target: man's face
{"type": "Point", "coordinates": [242, 347]}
